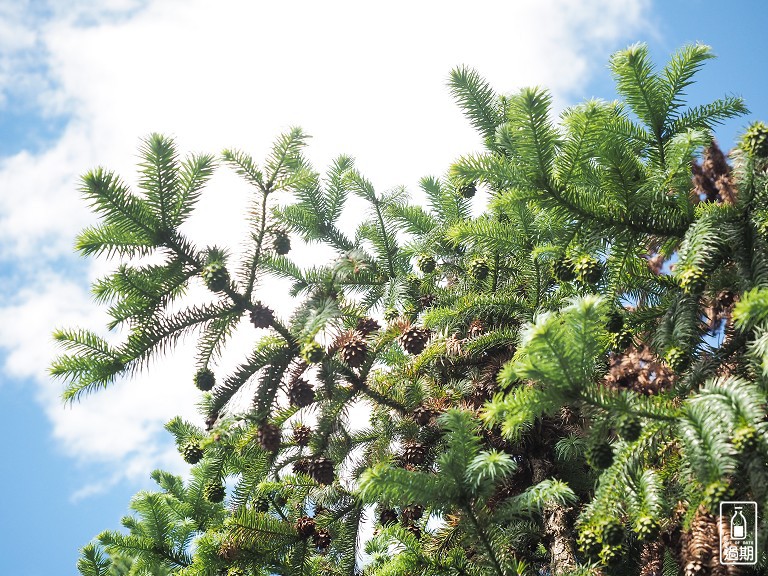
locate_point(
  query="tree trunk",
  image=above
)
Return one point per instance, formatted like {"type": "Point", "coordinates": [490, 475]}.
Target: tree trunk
{"type": "Point", "coordinates": [561, 547]}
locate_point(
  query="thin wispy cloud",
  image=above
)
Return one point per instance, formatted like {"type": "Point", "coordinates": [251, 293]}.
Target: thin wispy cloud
{"type": "Point", "coordinates": [366, 81]}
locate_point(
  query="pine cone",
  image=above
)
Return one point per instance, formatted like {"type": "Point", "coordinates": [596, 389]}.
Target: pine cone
{"type": "Point", "coordinates": [427, 301]}
{"type": "Point", "coordinates": [214, 492]}
{"type": "Point", "coordinates": [478, 269]}
{"type": "Point", "coordinates": [413, 454]}
{"type": "Point", "coordinates": [302, 435]}
{"type": "Point", "coordinates": [413, 283]}
{"type": "Point", "coordinates": [269, 437]}
{"type": "Point", "coordinates": [321, 471]}
{"type": "Point", "coordinates": [426, 264]}
{"type": "Point", "coordinates": [279, 499]}
{"type": "Point", "coordinates": [725, 531]}
{"type": "Point", "coordinates": [468, 190]}
{"type": "Point", "coordinates": [630, 428]}
{"type": "Point", "coordinates": [563, 269]}
{"type": "Point", "coordinates": [210, 422]}
{"type": "Point", "coordinates": [755, 140]}
{"type": "Point", "coordinates": [191, 452]}
{"type": "Point", "coordinates": [476, 328]}
{"type": "Point", "coordinates": [587, 270]}
{"type": "Point", "coordinates": [301, 466]}
{"type": "Point", "coordinates": [312, 352]}
{"type": "Point", "coordinates": [610, 555]}
{"type": "Point", "coordinates": [262, 316]}
{"type": "Point", "coordinates": [692, 281]}
{"type": "Point", "coordinates": [652, 559]}
{"type": "Point", "coordinates": [261, 504]}
{"type": "Point", "coordinates": [305, 526]}
{"type": "Point", "coordinates": [281, 242]}
{"type": "Point", "coordinates": [301, 393]}
{"type": "Point", "coordinates": [322, 539]}
{"type": "Point", "coordinates": [228, 550]}
{"type": "Point", "coordinates": [387, 517]}
{"type": "Point", "coordinates": [647, 528]}
{"type": "Point", "coordinates": [700, 544]}
{"type": "Point", "coordinates": [676, 359]}
{"type": "Point", "coordinates": [482, 391]}
{"type": "Point", "coordinates": [726, 298]}
{"type": "Point", "coordinates": [366, 326]}
{"type": "Point", "coordinates": [353, 350]}
{"type": "Point", "coordinates": [215, 275]}
{"type": "Point", "coordinates": [640, 371]}
{"type": "Point", "coordinates": [414, 529]}
{"type": "Point", "coordinates": [590, 542]}
{"type": "Point", "coordinates": [205, 380]}
{"type": "Point", "coordinates": [423, 415]}
{"type": "Point", "coordinates": [415, 339]}
{"type": "Point", "coordinates": [715, 493]}
{"type": "Point", "coordinates": [745, 439]}
{"type": "Point", "coordinates": [412, 513]}
{"type": "Point", "coordinates": [600, 456]}
{"type": "Point", "coordinates": [391, 314]}
{"type": "Point", "coordinates": [613, 533]}
{"type": "Point", "coordinates": [622, 340]}
{"type": "Point", "coordinates": [615, 322]}
{"type": "Point", "coordinates": [453, 345]}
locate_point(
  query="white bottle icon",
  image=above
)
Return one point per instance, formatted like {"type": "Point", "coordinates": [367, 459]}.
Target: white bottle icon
{"type": "Point", "coordinates": [738, 524]}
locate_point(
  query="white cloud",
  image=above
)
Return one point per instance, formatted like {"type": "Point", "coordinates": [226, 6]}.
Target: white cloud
{"type": "Point", "coordinates": [363, 79]}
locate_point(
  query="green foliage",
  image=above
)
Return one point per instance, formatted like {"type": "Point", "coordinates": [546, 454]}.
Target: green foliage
{"type": "Point", "coordinates": [542, 396]}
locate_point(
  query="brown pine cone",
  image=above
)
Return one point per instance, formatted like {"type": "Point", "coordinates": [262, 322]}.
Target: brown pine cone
{"type": "Point", "coordinates": [301, 466]}
{"type": "Point", "coordinates": [305, 526]}
{"type": "Point", "coordinates": [652, 559]}
{"type": "Point", "coordinates": [210, 422]}
{"type": "Point", "coordinates": [262, 316]}
{"type": "Point", "coordinates": [427, 300]}
{"type": "Point", "coordinates": [321, 470]}
{"type": "Point", "coordinates": [387, 517]}
{"type": "Point", "coordinates": [453, 345]}
{"type": "Point", "coordinates": [366, 325]}
{"type": "Point", "coordinates": [228, 550]}
{"type": "Point", "coordinates": [301, 393]}
{"type": "Point", "coordinates": [302, 434]}
{"type": "Point", "coordinates": [269, 437]}
{"type": "Point", "coordinates": [476, 328]}
{"type": "Point", "coordinates": [700, 544]}
{"type": "Point", "coordinates": [726, 298]}
{"type": "Point", "coordinates": [415, 339]}
{"type": "Point", "coordinates": [322, 539]}
{"type": "Point", "coordinates": [413, 454]}
{"type": "Point", "coordinates": [423, 415]}
{"type": "Point", "coordinates": [353, 350]}
{"type": "Point", "coordinates": [412, 513]}
{"type": "Point", "coordinates": [414, 529]}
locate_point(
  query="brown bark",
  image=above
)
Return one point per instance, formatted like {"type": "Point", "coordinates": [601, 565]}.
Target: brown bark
{"type": "Point", "coordinates": [561, 548]}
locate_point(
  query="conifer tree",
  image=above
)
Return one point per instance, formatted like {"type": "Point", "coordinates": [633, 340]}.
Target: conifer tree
{"type": "Point", "coordinates": [567, 384]}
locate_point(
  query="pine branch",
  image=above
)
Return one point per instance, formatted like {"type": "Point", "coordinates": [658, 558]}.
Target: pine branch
{"type": "Point", "coordinates": [244, 165]}
{"type": "Point", "coordinates": [643, 90]}
{"type": "Point", "coordinates": [478, 101]}
{"type": "Point", "coordinates": [120, 209]}
{"type": "Point", "coordinates": [159, 177]}
{"type": "Point", "coordinates": [678, 74]}
{"type": "Point", "coordinates": [92, 561]}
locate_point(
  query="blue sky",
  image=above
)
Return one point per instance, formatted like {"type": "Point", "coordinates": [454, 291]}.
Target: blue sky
{"type": "Point", "coordinates": [81, 84]}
